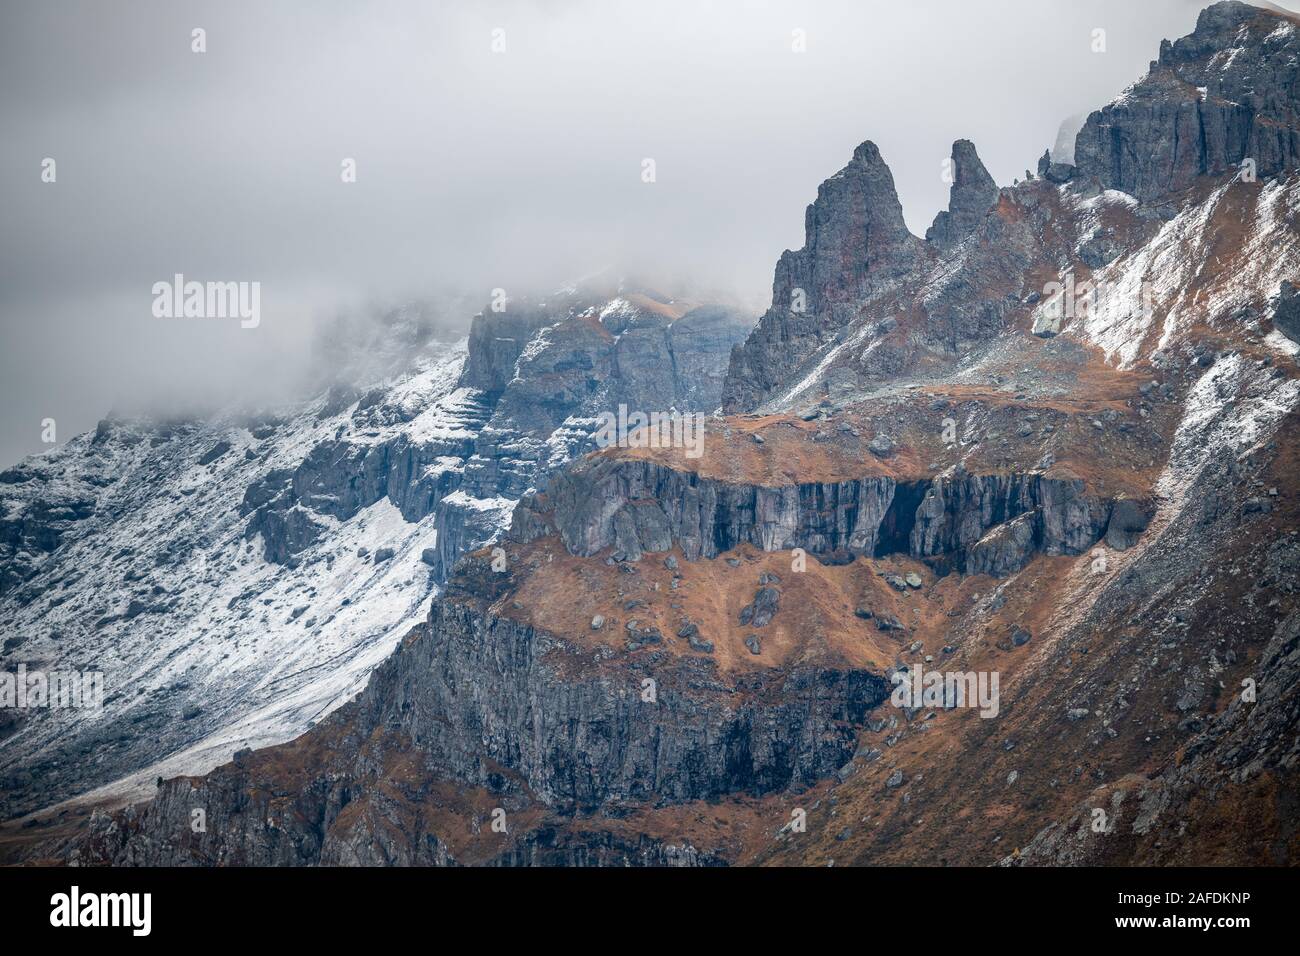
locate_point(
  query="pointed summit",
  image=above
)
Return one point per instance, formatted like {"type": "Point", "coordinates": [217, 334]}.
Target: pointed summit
{"type": "Point", "coordinates": [856, 244]}
{"type": "Point", "coordinates": [972, 195]}
{"type": "Point", "coordinates": [854, 227]}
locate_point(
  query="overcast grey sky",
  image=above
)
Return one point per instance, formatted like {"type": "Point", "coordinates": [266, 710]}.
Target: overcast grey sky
{"type": "Point", "coordinates": [475, 169]}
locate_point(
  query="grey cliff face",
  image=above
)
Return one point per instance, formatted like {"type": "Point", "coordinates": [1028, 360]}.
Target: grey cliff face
{"type": "Point", "coordinates": [496, 340]}
{"type": "Point", "coordinates": [638, 506]}
{"type": "Point", "coordinates": [1051, 516]}
{"type": "Point", "coordinates": [974, 523]}
{"type": "Point", "coordinates": [583, 358]}
{"type": "Point", "coordinates": [478, 694]}
{"type": "Point", "coordinates": [1221, 95]}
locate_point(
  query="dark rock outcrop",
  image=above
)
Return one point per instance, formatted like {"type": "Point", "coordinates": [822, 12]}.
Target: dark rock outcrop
{"type": "Point", "coordinates": [854, 228]}
{"type": "Point", "coordinates": [972, 194]}
{"type": "Point", "coordinates": [1221, 95]}
{"type": "Point", "coordinates": [1054, 172]}
{"type": "Point", "coordinates": [1129, 517]}
{"type": "Point", "coordinates": [1286, 311]}
{"type": "Point", "coordinates": [32, 528]}
{"type": "Point", "coordinates": [975, 523]}
{"type": "Point", "coordinates": [635, 506]}
{"type": "Point", "coordinates": [215, 452]}
{"type": "Point", "coordinates": [1004, 550]}
{"type": "Point", "coordinates": [760, 611]}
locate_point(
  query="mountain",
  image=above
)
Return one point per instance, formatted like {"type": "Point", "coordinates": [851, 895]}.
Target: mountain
{"type": "Point", "coordinates": [1047, 452]}
{"type": "Point", "coordinates": [237, 577]}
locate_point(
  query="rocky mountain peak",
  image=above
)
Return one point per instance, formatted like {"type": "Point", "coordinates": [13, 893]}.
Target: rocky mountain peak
{"type": "Point", "coordinates": [1220, 96]}
{"type": "Point", "coordinates": [947, 467]}
{"type": "Point", "coordinates": [972, 194]}
{"type": "Point", "coordinates": [856, 243]}
{"type": "Point", "coordinates": [215, 542]}
{"type": "Point", "coordinates": [1215, 102]}
{"type": "Point", "coordinates": [855, 226]}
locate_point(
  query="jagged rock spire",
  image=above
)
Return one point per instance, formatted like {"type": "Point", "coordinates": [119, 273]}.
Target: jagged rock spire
{"type": "Point", "coordinates": [972, 195]}
{"type": "Point", "coordinates": [855, 243]}
{"type": "Point", "coordinates": [853, 227]}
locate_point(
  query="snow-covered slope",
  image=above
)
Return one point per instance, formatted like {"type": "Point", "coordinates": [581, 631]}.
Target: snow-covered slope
{"type": "Point", "coordinates": [236, 578]}
{"type": "Point", "coordinates": [205, 646]}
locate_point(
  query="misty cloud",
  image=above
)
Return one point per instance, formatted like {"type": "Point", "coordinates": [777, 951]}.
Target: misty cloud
{"type": "Point", "coordinates": [474, 169]}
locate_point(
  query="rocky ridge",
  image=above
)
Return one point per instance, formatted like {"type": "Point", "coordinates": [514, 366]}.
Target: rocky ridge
{"type": "Point", "coordinates": [232, 539]}
{"type": "Point", "coordinates": [1099, 509]}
